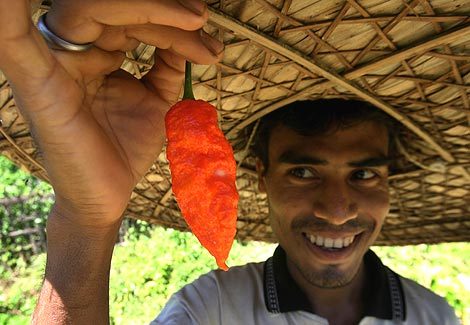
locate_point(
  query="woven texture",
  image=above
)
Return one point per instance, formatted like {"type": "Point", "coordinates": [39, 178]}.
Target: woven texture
{"type": "Point", "coordinates": [409, 58]}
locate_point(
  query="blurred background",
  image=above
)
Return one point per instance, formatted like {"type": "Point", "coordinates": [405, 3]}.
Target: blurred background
{"type": "Point", "coordinates": [151, 263]}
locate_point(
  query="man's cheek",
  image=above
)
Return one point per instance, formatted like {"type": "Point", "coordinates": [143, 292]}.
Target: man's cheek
{"type": "Point", "coordinates": [376, 205]}
{"type": "Point", "coordinates": [287, 205]}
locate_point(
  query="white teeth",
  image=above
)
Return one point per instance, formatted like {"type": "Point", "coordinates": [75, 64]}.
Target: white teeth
{"type": "Point", "coordinates": [338, 243]}
{"type": "Point", "coordinates": [312, 238]}
{"type": "Point", "coordinates": [330, 242]}
{"type": "Point", "coordinates": [320, 240]}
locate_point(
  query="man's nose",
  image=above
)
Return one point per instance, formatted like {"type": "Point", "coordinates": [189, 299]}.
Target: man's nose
{"type": "Point", "coordinates": [335, 203]}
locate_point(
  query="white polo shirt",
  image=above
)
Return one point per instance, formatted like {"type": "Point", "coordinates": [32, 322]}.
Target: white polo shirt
{"type": "Point", "coordinates": [265, 293]}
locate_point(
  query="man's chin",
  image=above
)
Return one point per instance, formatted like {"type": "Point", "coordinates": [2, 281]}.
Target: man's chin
{"type": "Point", "coordinates": [331, 277]}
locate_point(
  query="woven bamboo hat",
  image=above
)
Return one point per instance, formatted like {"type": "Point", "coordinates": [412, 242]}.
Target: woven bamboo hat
{"type": "Point", "coordinates": [410, 58]}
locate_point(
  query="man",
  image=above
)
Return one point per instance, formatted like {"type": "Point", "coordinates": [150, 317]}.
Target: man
{"type": "Point", "coordinates": [99, 130]}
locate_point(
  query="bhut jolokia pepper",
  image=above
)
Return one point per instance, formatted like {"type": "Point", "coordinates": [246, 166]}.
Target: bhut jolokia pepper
{"type": "Point", "coordinates": [203, 172]}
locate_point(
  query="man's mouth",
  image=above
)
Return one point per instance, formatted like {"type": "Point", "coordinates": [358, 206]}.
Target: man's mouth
{"type": "Point", "coordinates": [330, 243]}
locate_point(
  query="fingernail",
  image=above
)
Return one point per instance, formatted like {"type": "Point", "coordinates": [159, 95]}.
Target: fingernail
{"type": "Point", "coordinates": [196, 6]}
{"type": "Point", "coordinates": [211, 43]}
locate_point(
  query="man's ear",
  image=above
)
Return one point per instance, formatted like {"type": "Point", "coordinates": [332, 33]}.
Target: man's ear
{"type": "Point", "coordinates": [260, 170]}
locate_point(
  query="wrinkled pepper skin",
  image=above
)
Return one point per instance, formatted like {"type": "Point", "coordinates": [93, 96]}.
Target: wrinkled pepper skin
{"type": "Point", "coordinates": [203, 172]}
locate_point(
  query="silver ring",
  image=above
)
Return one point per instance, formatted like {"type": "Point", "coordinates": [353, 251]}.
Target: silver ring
{"type": "Point", "coordinates": [57, 43]}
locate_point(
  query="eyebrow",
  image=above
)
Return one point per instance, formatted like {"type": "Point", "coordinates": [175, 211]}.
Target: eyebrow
{"type": "Point", "coordinates": [293, 158]}
{"type": "Point", "coordinates": [373, 162]}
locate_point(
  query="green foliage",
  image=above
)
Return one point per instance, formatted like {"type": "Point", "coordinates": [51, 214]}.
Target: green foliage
{"type": "Point", "coordinates": [18, 294]}
{"type": "Point", "coordinates": [25, 201]}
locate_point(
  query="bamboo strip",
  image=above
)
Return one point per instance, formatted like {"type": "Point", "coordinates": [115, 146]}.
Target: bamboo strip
{"type": "Point", "coordinates": [424, 80]}
{"type": "Point", "coordinates": [386, 29]}
{"type": "Point", "coordinates": [448, 56]}
{"type": "Point", "coordinates": [415, 49]}
{"type": "Point", "coordinates": [294, 22]}
{"type": "Point", "coordinates": [332, 27]}
{"type": "Point", "coordinates": [360, 21]}
{"type": "Point", "coordinates": [376, 27]}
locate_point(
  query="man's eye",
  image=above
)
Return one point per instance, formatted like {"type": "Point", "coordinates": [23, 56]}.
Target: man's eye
{"type": "Point", "coordinates": [364, 174]}
{"type": "Point", "coordinates": [302, 173]}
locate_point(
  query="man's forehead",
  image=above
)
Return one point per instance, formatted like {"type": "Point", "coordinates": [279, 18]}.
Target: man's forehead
{"type": "Point", "coordinates": [366, 139]}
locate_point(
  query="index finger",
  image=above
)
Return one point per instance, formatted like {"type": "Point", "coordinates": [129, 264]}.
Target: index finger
{"type": "Point", "coordinates": [84, 21]}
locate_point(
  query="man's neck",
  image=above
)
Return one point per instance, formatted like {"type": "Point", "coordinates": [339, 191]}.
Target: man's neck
{"type": "Point", "coordinates": [339, 305]}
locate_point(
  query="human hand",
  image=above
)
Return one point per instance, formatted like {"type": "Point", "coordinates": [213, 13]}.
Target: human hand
{"type": "Point", "coordinates": [98, 127]}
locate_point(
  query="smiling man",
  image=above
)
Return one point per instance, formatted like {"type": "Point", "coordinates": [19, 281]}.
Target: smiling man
{"type": "Point", "coordinates": [324, 166]}
{"type": "Point", "coordinates": [325, 176]}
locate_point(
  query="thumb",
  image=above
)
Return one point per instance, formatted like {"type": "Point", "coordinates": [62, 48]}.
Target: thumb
{"type": "Point", "coordinates": [25, 58]}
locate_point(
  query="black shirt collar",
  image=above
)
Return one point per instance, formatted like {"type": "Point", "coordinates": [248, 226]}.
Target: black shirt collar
{"type": "Point", "coordinates": [383, 295]}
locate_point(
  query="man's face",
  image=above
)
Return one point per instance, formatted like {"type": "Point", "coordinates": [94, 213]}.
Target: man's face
{"type": "Point", "coordinates": [328, 198]}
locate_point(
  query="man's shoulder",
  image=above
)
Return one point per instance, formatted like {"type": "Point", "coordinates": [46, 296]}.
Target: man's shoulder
{"type": "Point", "coordinates": [416, 292]}
{"type": "Point", "coordinates": [424, 304]}
{"type": "Point", "coordinates": [215, 294]}
{"type": "Point", "coordinates": [238, 284]}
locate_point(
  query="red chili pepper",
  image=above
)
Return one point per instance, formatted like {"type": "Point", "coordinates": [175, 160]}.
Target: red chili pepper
{"type": "Point", "coordinates": [203, 172]}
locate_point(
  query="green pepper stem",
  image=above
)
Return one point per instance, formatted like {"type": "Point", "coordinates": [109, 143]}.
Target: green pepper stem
{"type": "Point", "coordinates": [188, 83]}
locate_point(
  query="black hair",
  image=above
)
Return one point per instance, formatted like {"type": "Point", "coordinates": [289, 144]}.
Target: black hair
{"type": "Point", "coordinates": [317, 117]}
